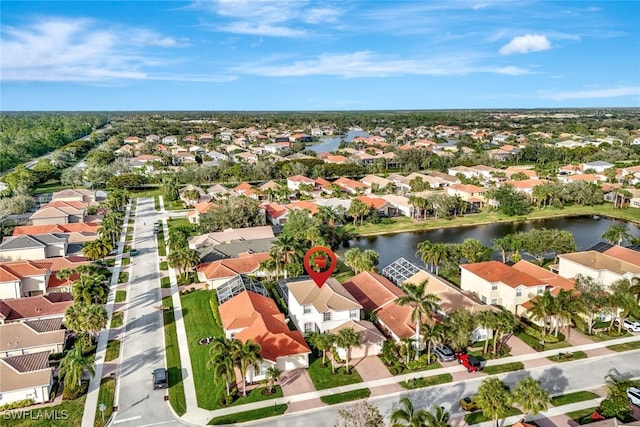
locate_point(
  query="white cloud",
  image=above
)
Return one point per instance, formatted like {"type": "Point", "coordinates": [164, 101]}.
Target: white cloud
{"type": "Point", "coordinates": [614, 92]}
{"type": "Point", "coordinates": [525, 44]}
{"type": "Point", "coordinates": [321, 15]}
{"type": "Point", "coordinates": [261, 30]}
{"type": "Point", "coordinates": [368, 64]}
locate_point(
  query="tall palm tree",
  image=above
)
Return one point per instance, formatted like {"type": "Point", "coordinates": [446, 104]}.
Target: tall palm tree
{"type": "Point", "coordinates": [245, 355]}
{"type": "Point", "coordinates": [322, 341]}
{"type": "Point", "coordinates": [66, 274]}
{"type": "Point", "coordinates": [94, 319]}
{"type": "Point", "coordinates": [439, 254]}
{"type": "Point", "coordinates": [97, 249]}
{"type": "Point", "coordinates": [407, 415]}
{"type": "Point", "coordinates": [221, 361]}
{"type": "Point", "coordinates": [438, 418]}
{"type": "Point", "coordinates": [486, 319]}
{"type": "Point", "coordinates": [423, 304]}
{"type": "Point", "coordinates": [494, 399]}
{"type": "Point", "coordinates": [474, 251]}
{"type": "Point", "coordinates": [286, 247]}
{"type": "Point", "coordinates": [529, 394]}
{"type": "Point", "coordinates": [506, 323]}
{"type": "Point", "coordinates": [73, 365]}
{"type": "Point", "coordinates": [616, 234]}
{"type": "Point", "coordinates": [542, 308]}
{"type": "Point", "coordinates": [348, 338]}
{"type": "Point", "coordinates": [90, 289]}
{"type": "Point", "coordinates": [424, 252]}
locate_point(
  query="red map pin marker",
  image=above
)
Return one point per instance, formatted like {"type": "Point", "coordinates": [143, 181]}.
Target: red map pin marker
{"type": "Point", "coordinates": [315, 263]}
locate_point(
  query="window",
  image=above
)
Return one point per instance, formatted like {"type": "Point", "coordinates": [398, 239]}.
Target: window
{"type": "Point", "coordinates": [484, 299]}
{"type": "Point", "coordinates": [306, 309]}
{"type": "Point", "coordinates": [308, 327]}
{"type": "Point", "coordinates": [518, 292]}
{"type": "Point", "coordinates": [494, 301]}
{"type": "Point", "coordinates": [540, 290]}
{"type": "Point", "coordinates": [354, 314]}
{"type": "Point", "coordinates": [494, 286]}
{"type": "Point", "coordinates": [326, 316]}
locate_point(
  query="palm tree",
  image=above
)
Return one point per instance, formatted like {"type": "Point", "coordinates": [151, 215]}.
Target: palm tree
{"type": "Point", "coordinates": [97, 249]}
{"type": "Point", "coordinates": [506, 323]}
{"type": "Point", "coordinates": [407, 416]}
{"type": "Point", "coordinates": [486, 319]}
{"type": "Point", "coordinates": [494, 399]}
{"type": "Point", "coordinates": [529, 394]}
{"type": "Point", "coordinates": [221, 361]}
{"type": "Point", "coordinates": [322, 341]}
{"type": "Point", "coordinates": [474, 251]}
{"type": "Point", "coordinates": [348, 338]}
{"type": "Point", "coordinates": [616, 234]}
{"type": "Point", "coordinates": [423, 304]}
{"type": "Point", "coordinates": [272, 375]}
{"type": "Point", "coordinates": [635, 287]}
{"type": "Point", "coordinates": [90, 289]}
{"type": "Point", "coordinates": [439, 255]}
{"type": "Point", "coordinates": [424, 252]}
{"type": "Point", "coordinates": [66, 274]}
{"type": "Point", "coordinates": [73, 365]}
{"type": "Point", "coordinates": [440, 417]}
{"type": "Point", "coordinates": [542, 309]}
{"type": "Point", "coordinates": [623, 302]}
{"type": "Point", "coordinates": [245, 355]}
{"type": "Point", "coordinates": [504, 245]}
{"type": "Point", "coordinates": [286, 249]}
{"type": "Point", "coordinates": [95, 318]}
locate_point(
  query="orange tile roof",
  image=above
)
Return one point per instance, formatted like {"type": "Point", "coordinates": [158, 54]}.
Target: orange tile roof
{"type": "Point", "coordinates": [300, 178]}
{"type": "Point", "coordinates": [372, 290]}
{"type": "Point", "coordinates": [233, 266]}
{"type": "Point", "coordinates": [6, 275]}
{"type": "Point", "coordinates": [468, 188]}
{"type": "Point", "coordinates": [494, 271]}
{"type": "Point", "coordinates": [264, 324]}
{"type": "Point", "coordinates": [584, 177]}
{"type": "Point", "coordinates": [22, 269]}
{"type": "Point", "coordinates": [398, 319]}
{"type": "Point", "coordinates": [275, 210]}
{"type": "Point", "coordinates": [624, 254]}
{"type": "Point", "coordinates": [544, 275]}
{"type": "Point", "coordinates": [374, 202]}
{"type": "Point", "coordinates": [303, 204]}
{"type": "Point", "coordinates": [350, 183]}
{"type": "Point", "coordinates": [86, 227]}
{"type": "Point", "coordinates": [38, 306]}
{"type": "Point", "coordinates": [56, 264]}
{"type": "Point", "coordinates": [322, 182]}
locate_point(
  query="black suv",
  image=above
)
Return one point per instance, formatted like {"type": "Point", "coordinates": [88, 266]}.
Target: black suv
{"type": "Point", "coordinates": [160, 378]}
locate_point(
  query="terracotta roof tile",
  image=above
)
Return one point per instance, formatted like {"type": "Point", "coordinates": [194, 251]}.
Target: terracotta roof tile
{"type": "Point", "coordinates": [372, 290]}
{"type": "Point", "coordinates": [494, 271]}
{"type": "Point", "coordinates": [34, 307]}
{"type": "Point", "coordinates": [624, 254]}
{"type": "Point", "coordinates": [233, 266]}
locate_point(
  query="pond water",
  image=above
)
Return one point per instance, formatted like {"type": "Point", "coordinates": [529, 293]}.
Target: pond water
{"type": "Point", "coordinates": [586, 232]}
{"type": "Point", "coordinates": [331, 144]}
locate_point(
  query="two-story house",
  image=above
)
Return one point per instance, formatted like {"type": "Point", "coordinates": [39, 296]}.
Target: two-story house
{"type": "Point", "coordinates": [39, 246]}
{"type": "Point", "coordinates": [22, 279]}
{"type": "Point", "coordinates": [602, 267]}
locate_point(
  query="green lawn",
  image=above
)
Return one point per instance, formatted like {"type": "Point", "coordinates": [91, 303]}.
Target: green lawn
{"type": "Point", "coordinates": [567, 357]}
{"type": "Point", "coordinates": [182, 223]}
{"type": "Point", "coordinates": [123, 277]}
{"type": "Point", "coordinates": [257, 395]}
{"type": "Point", "coordinates": [113, 350]}
{"type": "Point", "coordinates": [128, 238]}
{"type": "Point", "coordinates": [74, 409]}
{"type": "Point", "coordinates": [625, 347]}
{"type": "Point", "coordinates": [507, 367]}
{"type": "Point", "coordinates": [333, 399]}
{"type": "Point", "coordinates": [174, 366]}
{"type": "Point", "coordinates": [323, 378]}
{"type": "Point", "coordinates": [165, 282]}
{"type": "Point", "coordinates": [479, 417]}
{"type": "Point", "coordinates": [606, 337]}
{"type": "Point", "coordinates": [256, 414]}
{"type": "Point", "coordinates": [578, 396]}
{"type": "Point", "coordinates": [162, 248]}
{"type": "Point", "coordinates": [149, 192]}
{"type": "Point", "coordinates": [125, 261]}
{"type": "Point", "coordinates": [156, 202]}
{"type": "Point", "coordinates": [427, 381]}
{"type": "Point", "coordinates": [578, 415]}
{"type": "Point", "coordinates": [164, 266]}
{"type": "Point", "coordinates": [105, 396]}
{"type": "Point", "coordinates": [50, 187]}
{"type": "Point", "coordinates": [121, 296]}
{"type": "Point", "coordinates": [117, 319]}
{"type": "Point", "coordinates": [535, 343]}
{"type": "Point", "coordinates": [199, 323]}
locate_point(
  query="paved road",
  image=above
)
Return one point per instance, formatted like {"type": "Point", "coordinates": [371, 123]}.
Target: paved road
{"type": "Point", "coordinates": [143, 345]}
{"type": "Point", "coordinates": [557, 379]}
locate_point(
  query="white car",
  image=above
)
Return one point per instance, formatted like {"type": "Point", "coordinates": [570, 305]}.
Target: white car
{"type": "Point", "coordinates": [633, 394]}
{"type": "Point", "coordinates": [630, 325]}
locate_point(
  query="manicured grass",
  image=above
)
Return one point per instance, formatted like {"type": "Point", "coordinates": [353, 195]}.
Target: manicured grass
{"type": "Point", "coordinates": [507, 367]}
{"type": "Point", "coordinates": [105, 396]}
{"type": "Point", "coordinates": [113, 350]}
{"type": "Point", "coordinates": [625, 347]}
{"type": "Point", "coordinates": [164, 266]}
{"type": "Point", "coordinates": [256, 414]}
{"type": "Point", "coordinates": [156, 202]}
{"type": "Point", "coordinates": [162, 248]}
{"type": "Point", "coordinates": [128, 238]}
{"type": "Point", "coordinates": [117, 319]}
{"type": "Point", "coordinates": [606, 337]}
{"type": "Point", "coordinates": [176, 205]}
{"type": "Point", "coordinates": [535, 343]}
{"type": "Point", "coordinates": [184, 224]}
{"type": "Point", "coordinates": [578, 396]}
{"type": "Point", "coordinates": [149, 192]}
{"type": "Point", "coordinates": [51, 187]}
{"type": "Point", "coordinates": [199, 323]}
{"type": "Point", "coordinates": [74, 410]}
{"type": "Point", "coordinates": [110, 262]}
{"type": "Point", "coordinates": [323, 378]}
{"type": "Point", "coordinates": [165, 282]}
{"type": "Point", "coordinates": [580, 414]}
{"type": "Point", "coordinates": [401, 224]}
{"type": "Point", "coordinates": [333, 399]}
{"type": "Point", "coordinates": [479, 417]}
{"type": "Point", "coordinates": [123, 277]}
{"type": "Point", "coordinates": [427, 381]}
{"type": "Point", "coordinates": [567, 357]}
{"type": "Point", "coordinates": [174, 365]}
{"type": "Point", "coordinates": [125, 261]}
{"type": "Point", "coordinates": [121, 296]}
{"type": "Point", "coordinates": [256, 395]}
{"type": "Point", "coordinates": [127, 248]}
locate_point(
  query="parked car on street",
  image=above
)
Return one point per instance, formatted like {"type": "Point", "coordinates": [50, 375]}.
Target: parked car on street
{"type": "Point", "coordinates": [469, 403]}
{"type": "Point", "coordinates": [133, 252]}
{"type": "Point", "coordinates": [160, 378]}
{"type": "Point", "coordinates": [630, 325]}
{"type": "Point", "coordinates": [444, 353]}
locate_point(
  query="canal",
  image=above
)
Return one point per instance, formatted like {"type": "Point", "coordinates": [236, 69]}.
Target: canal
{"type": "Point", "coordinates": [586, 232]}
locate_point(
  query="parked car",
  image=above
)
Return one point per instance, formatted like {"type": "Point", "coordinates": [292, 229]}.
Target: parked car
{"type": "Point", "coordinates": [469, 403]}
{"type": "Point", "coordinates": [630, 325]}
{"type": "Point", "coordinates": [133, 252]}
{"type": "Point", "coordinates": [473, 364]}
{"type": "Point", "coordinates": [633, 394]}
{"type": "Point", "coordinates": [444, 353]}
{"type": "Point", "coordinates": [160, 378]}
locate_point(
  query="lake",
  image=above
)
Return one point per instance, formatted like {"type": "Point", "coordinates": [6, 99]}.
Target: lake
{"type": "Point", "coordinates": [586, 232]}
{"type": "Point", "coordinates": [331, 144]}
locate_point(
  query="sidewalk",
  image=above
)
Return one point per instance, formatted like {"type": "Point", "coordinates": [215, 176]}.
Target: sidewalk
{"type": "Point", "coordinates": [90, 405]}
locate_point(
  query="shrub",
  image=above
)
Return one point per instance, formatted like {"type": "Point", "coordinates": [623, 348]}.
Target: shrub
{"type": "Point", "coordinates": [615, 406]}
{"type": "Point", "coordinates": [213, 302]}
{"type": "Point", "coordinates": [71, 393]}
{"type": "Point", "coordinates": [19, 404]}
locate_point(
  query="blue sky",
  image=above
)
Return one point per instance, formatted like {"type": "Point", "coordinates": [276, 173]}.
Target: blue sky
{"type": "Point", "coordinates": [317, 55]}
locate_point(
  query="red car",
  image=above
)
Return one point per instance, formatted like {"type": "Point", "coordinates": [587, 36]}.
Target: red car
{"type": "Point", "coordinates": [473, 364]}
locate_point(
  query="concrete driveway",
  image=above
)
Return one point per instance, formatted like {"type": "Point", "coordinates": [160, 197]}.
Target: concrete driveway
{"type": "Point", "coordinates": [371, 368]}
